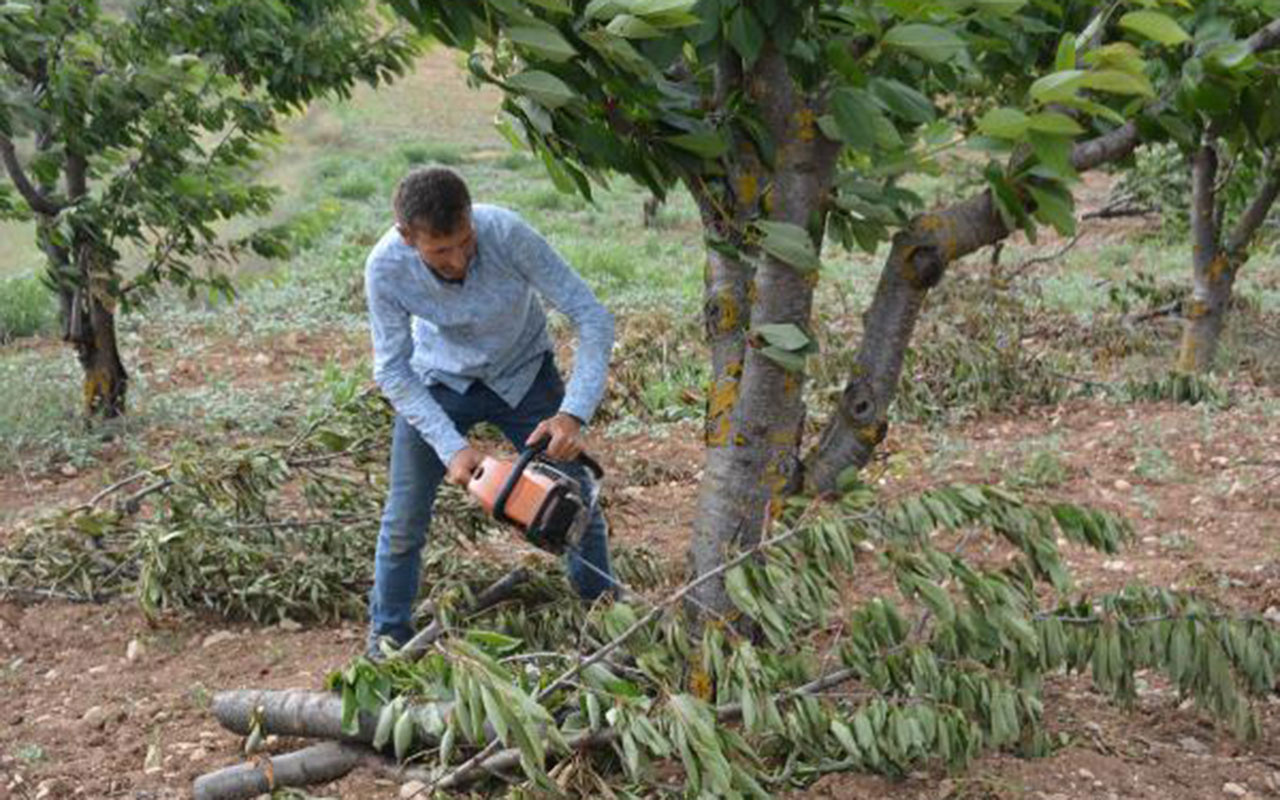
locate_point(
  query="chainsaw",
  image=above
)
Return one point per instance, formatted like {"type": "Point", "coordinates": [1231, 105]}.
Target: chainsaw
{"type": "Point", "coordinates": [549, 507]}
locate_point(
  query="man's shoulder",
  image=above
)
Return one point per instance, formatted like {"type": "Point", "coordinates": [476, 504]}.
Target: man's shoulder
{"type": "Point", "coordinates": [494, 220]}
{"type": "Point", "coordinates": [388, 254]}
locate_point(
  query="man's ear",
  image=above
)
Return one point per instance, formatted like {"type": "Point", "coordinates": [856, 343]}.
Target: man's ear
{"type": "Point", "coordinates": [406, 233]}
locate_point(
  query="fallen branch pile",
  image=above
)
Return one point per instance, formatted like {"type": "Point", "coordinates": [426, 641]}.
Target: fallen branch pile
{"type": "Point", "coordinates": [949, 663]}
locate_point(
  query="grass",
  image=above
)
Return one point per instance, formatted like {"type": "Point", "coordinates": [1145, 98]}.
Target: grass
{"type": "Point", "coordinates": [980, 348]}
{"type": "Point", "coordinates": [26, 308]}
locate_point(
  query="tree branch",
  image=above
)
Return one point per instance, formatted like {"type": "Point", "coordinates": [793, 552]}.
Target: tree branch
{"type": "Point", "coordinates": [1266, 39]}
{"type": "Point", "coordinates": [38, 202]}
{"type": "Point", "coordinates": [1258, 210]}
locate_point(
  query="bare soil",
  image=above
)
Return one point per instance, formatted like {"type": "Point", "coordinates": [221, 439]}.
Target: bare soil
{"type": "Point", "coordinates": [1206, 520]}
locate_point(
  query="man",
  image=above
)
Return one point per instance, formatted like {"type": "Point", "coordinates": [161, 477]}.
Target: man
{"type": "Point", "coordinates": [460, 337]}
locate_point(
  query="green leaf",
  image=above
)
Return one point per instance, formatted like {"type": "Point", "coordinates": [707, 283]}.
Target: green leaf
{"type": "Point", "coordinates": [854, 113]}
{"type": "Point", "coordinates": [786, 336]}
{"type": "Point", "coordinates": [745, 34]}
{"type": "Point", "coordinates": [1004, 123]}
{"type": "Point", "coordinates": [1057, 85]}
{"type": "Point", "coordinates": [386, 722]}
{"type": "Point", "coordinates": [1055, 122]}
{"type": "Point", "coordinates": [543, 87]}
{"type": "Point", "coordinates": [403, 736]}
{"type": "Point", "coordinates": [708, 144]}
{"type": "Point", "coordinates": [928, 42]}
{"type": "Point", "coordinates": [1055, 208]}
{"type": "Point", "coordinates": [558, 6]}
{"type": "Point", "coordinates": [790, 244]}
{"type": "Point", "coordinates": [543, 40]}
{"type": "Point", "coordinates": [604, 9]}
{"type": "Point", "coordinates": [632, 27]}
{"type": "Point", "coordinates": [1000, 8]}
{"type": "Point", "coordinates": [792, 362]}
{"type": "Point", "coordinates": [1155, 26]}
{"type": "Point", "coordinates": [1066, 58]}
{"type": "Point", "coordinates": [1117, 82]}
{"type": "Point", "coordinates": [903, 101]}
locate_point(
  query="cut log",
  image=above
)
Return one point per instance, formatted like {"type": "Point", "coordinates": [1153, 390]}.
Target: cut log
{"type": "Point", "coordinates": [319, 763]}
{"type": "Point", "coordinates": [312, 715]}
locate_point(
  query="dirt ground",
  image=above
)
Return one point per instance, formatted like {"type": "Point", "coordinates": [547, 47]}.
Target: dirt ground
{"type": "Point", "coordinates": [98, 703]}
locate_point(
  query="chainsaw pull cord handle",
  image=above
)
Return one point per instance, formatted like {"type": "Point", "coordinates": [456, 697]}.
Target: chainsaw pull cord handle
{"type": "Point", "coordinates": [526, 457]}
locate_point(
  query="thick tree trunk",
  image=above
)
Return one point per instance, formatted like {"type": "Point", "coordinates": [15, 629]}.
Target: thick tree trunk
{"type": "Point", "coordinates": [1215, 268]}
{"type": "Point", "coordinates": [90, 324]}
{"type": "Point", "coordinates": [917, 261]}
{"type": "Point", "coordinates": [105, 379]}
{"type": "Point", "coordinates": [754, 407]}
{"type": "Point", "coordinates": [320, 763]}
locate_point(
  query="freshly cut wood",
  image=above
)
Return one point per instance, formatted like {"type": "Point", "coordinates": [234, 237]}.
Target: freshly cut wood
{"type": "Point", "coordinates": [319, 763]}
{"type": "Point", "coordinates": [290, 712]}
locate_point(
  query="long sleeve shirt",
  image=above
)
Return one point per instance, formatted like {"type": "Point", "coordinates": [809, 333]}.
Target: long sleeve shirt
{"type": "Point", "coordinates": [490, 327]}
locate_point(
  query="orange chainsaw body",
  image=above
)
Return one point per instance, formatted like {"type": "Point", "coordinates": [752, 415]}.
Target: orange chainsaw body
{"type": "Point", "coordinates": [526, 499]}
{"type": "Point", "coordinates": [548, 506]}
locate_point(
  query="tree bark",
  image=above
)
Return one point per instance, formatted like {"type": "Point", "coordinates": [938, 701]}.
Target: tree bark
{"type": "Point", "coordinates": [917, 262]}
{"type": "Point", "coordinates": [1216, 266]}
{"type": "Point", "coordinates": [1212, 267]}
{"type": "Point", "coordinates": [320, 763]}
{"type": "Point", "coordinates": [754, 406]}
{"type": "Point", "coordinates": [92, 324]}
{"type": "Point", "coordinates": [311, 715]}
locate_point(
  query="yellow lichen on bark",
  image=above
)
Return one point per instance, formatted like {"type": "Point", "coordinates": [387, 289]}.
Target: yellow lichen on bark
{"type": "Point", "coordinates": [943, 230]}
{"type": "Point", "coordinates": [1218, 269]}
{"type": "Point", "coordinates": [748, 186]}
{"type": "Point", "coordinates": [805, 124]}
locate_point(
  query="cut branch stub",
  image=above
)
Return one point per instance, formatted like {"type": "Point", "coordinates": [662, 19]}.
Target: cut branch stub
{"type": "Point", "coordinates": [320, 763]}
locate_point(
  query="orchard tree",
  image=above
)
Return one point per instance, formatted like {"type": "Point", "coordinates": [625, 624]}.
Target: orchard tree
{"type": "Point", "coordinates": [788, 121]}
{"type": "Point", "coordinates": [1225, 118]}
{"type": "Point", "coordinates": [138, 125]}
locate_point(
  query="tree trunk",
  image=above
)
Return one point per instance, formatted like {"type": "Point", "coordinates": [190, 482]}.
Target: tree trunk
{"type": "Point", "coordinates": [1215, 269]}
{"type": "Point", "coordinates": [91, 327]}
{"type": "Point", "coordinates": [917, 262]}
{"type": "Point", "coordinates": [755, 408]}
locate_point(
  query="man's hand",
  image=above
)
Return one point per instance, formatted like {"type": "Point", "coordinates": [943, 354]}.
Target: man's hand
{"type": "Point", "coordinates": [463, 465]}
{"type": "Point", "coordinates": [566, 437]}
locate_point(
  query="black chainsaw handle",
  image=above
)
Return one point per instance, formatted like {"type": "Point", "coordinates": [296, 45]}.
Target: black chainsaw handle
{"type": "Point", "coordinates": [526, 457]}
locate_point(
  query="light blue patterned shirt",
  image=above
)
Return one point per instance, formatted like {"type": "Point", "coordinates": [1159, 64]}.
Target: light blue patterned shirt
{"type": "Point", "coordinates": [490, 327]}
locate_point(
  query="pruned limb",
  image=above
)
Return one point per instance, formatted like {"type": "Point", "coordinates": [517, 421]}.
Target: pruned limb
{"type": "Point", "coordinates": [506, 760]}
{"type": "Point", "coordinates": [500, 590]}
{"type": "Point", "coordinates": [319, 763]}
{"type": "Point", "coordinates": [313, 715]}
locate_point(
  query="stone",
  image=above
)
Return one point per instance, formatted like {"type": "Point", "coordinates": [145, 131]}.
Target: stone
{"type": "Point", "coordinates": [1084, 773]}
{"type": "Point", "coordinates": [413, 789]}
{"type": "Point", "coordinates": [1122, 485]}
{"type": "Point", "coordinates": [134, 651]}
{"type": "Point", "coordinates": [198, 754]}
{"type": "Point", "coordinates": [216, 638]}
{"type": "Point", "coordinates": [289, 625]}
{"type": "Point", "coordinates": [1234, 790]}
{"type": "Point", "coordinates": [1193, 745]}
{"type": "Point", "coordinates": [95, 717]}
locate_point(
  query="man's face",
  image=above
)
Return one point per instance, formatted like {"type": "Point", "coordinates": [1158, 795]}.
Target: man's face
{"type": "Point", "coordinates": [448, 254]}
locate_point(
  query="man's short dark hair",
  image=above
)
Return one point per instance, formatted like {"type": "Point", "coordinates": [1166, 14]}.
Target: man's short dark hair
{"type": "Point", "coordinates": [432, 199]}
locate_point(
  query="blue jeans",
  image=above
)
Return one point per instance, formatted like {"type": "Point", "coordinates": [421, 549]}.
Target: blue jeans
{"type": "Point", "coordinates": [415, 477]}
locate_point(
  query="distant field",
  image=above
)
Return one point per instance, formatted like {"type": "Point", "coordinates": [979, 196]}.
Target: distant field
{"type": "Point", "coordinates": [432, 108]}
